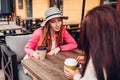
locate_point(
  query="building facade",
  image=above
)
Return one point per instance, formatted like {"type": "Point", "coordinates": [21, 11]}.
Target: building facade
{"type": "Point", "coordinates": [75, 9]}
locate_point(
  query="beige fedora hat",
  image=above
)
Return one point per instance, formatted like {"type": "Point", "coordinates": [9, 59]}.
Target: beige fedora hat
{"type": "Point", "coordinates": [51, 13]}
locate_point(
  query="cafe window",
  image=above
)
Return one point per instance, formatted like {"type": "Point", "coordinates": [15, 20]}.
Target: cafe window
{"type": "Point", "coordinates": [20, 4]}
{"type": "Point", "coordinates": [0, 6]}
{"type": "Point", "coordinates": [57, 3]}
{"type": "Point", "coordinates": [112, 3]}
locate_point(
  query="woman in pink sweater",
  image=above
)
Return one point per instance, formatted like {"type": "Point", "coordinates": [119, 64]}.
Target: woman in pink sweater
{"type": "Point", "coordinates": [53, 35]}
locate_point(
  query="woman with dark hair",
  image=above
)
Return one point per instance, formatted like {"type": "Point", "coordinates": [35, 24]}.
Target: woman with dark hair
{"type": "Point", "coordinates": [100, 39]}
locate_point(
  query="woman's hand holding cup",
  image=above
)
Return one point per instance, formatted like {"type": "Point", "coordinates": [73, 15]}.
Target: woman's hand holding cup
{"type": "Point", "coordinates": [70, 68]}
{"type": "Point", "coordinates": [70, 63]}
{"type": "Point", "coordinates": [40, 53]}
{"type": "Point", "coordinates": [81, 59]}
{"type": "Point", "coordinates": [36, 55]}
{"type": "Point", "coordinates": [54, 51]}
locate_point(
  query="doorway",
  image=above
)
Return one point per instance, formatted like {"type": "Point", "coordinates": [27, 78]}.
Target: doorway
{"type": "Point", "coordinates": [57, 3]}
{"type": "Point", "coordinates": [29, 8]}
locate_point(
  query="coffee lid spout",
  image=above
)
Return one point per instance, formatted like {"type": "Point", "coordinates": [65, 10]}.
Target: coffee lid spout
{"type": "Point", "coordinates": [70, 62]}
{"type": "Point", "coordinates": [41, 48]}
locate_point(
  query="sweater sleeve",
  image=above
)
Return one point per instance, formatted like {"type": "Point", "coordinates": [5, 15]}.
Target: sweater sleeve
{"type": "Point", "coordinates": [69, 41]}
{"type": "Point", "coordinates": [77, 77]}
{"type": "Point", "coordinates": [89, 73]}
{"type": "Point", "coordinates": [32, 43]}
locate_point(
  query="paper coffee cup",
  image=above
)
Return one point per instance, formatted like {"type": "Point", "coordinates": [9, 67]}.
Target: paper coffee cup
{"type": "Point", "coordinates": [70, 63]}
{"type": "Point", "coordinates": [42, 52]}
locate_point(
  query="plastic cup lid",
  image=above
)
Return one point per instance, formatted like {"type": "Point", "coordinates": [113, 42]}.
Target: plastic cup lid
{"type": "Point", "coordinates": [70, 62]}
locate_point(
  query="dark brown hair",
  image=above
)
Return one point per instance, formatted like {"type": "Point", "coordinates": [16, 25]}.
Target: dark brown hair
{"type": "Point", "coordinates": [100, 38]}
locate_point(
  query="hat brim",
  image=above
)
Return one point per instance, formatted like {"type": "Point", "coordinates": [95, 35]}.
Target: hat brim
{"type": "Point", "coordinates": [55, 16]}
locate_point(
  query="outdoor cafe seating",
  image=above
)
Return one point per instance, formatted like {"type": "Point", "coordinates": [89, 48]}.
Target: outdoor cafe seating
{"type": "Point", "coordinates": [29, 23]}
{"type": "Point", "coordinates": [12, 51]}
{"type": "Point", "coordinates": [12, 54]}
{"type": "Point", "coordinates": [33, 24]}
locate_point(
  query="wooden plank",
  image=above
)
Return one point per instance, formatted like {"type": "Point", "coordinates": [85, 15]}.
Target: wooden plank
{"type": "Point", "coordinates": [71, 23]}
{"type": "Point", "coordinates": [46, 69]}
{"type": "Point", "coordinates": [51, 68]}
{"type": "Point", "coordinates": [6, 28]}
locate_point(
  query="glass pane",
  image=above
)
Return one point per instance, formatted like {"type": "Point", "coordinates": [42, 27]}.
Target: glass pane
{"type": "Point", "coordinates": [57, 3]}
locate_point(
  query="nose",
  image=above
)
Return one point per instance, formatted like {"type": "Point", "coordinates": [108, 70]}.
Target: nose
{"type": "Point", "coordinates": [57, 23]}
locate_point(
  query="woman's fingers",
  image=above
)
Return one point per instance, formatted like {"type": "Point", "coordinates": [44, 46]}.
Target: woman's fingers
{"type": "Point", "coordinates": [81, 59]}
{"type": "Point", "coordinates": [50, 53]}
{"type": "Point", "coordinates": [54, 51]}
{"type": "Point", "coordinates": [36, 55]}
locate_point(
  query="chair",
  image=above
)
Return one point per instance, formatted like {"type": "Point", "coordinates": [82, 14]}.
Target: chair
{"type": "Point", "coordinates": [38, 22]}
{"type": "Point", "coordinates": [29, 25]}
{"type": "Point", "coordinates": [12, 54]}
{"type": "Point", "coordinates": [32, 25]}
{"type": "Point", "coordinates": [18, 20]}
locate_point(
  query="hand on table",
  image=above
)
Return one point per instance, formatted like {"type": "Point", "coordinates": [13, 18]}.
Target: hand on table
{"type": "Point", "coordinates": [36, 55]}
{"type": "Point", "coordinates": [53, 51]}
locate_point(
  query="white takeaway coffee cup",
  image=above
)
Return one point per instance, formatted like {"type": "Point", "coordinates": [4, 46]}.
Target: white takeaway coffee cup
{"type": "Point", "coordinates": [70, 63]}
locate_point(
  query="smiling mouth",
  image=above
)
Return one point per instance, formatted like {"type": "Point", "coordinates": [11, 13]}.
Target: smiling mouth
{"type": "Point", "coordinates": [57, 28]}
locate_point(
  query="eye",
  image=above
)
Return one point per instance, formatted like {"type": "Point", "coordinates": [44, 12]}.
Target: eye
{"type": "Point", "coordinates": [59, 20]}
{"type": "Point", "coordinates": [52, 21]}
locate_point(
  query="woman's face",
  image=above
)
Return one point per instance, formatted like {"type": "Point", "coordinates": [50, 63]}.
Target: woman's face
{"type": "Point", "coordinates": [55, 24]}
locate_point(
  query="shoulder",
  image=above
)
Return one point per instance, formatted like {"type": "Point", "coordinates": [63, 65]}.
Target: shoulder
{"type": "Point", "coordinates": [64, 29]}
{"type": "Point", "coordinates": [38, 31]}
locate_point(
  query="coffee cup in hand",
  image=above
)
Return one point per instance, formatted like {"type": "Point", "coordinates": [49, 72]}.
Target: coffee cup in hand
{"type": "Point", "coordinates": [70, 63]}
{"type": "Point", "coordinates": [41, 50]}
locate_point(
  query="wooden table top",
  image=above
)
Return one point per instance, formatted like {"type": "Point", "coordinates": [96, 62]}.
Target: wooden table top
{"type": "Point", "coordinates": [29, 18]}
{"type": "Point", "coordinates": [8, 27]}
{"type": "Point", "coordinates": [71, 23]}
{"type": "Point", "coordinates": [52, 68]}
